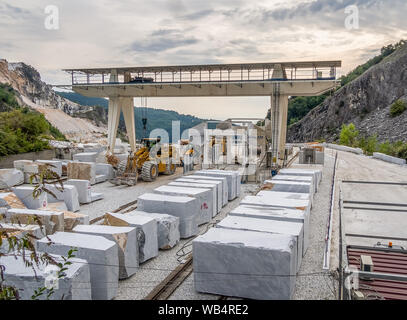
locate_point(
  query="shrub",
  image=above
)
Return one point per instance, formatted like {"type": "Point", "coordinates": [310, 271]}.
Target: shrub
{"type": "Point", "coordinates": [348, 135]}
{"type": "Point", "coordinates": [397, 108]}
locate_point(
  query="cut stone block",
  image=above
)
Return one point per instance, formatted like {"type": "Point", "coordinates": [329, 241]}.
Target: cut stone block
{"type": "Point", "coordinates": [69, 195]}
{"type": "Point", "coordinates": [56, 206]}
{"type": "Point", "coordinates": [105, 169]}
{"type": "Point", "coordinates": [85, 157]}
{"type": "Point", "coordinates": [186, 208]}
{"type": "Point", "coordinates": [147, 237]}
{"type": "Point", "coordinates": [72, 219]}
{"type": "Point", "coordinates": [225, 195]}
{"type": "Point", "coordinates": [52, 221]}
{"type": "Point", "coordinates": [126, 240]}
{"type": "Point", "coordinates": [317, 174]}
{"type": "Point", "coordinates": [238, 179]}
{"type": "Point", "coordinates": [289, 186]}
{"type": "Point", "coordinates": [75, 285]}
{"type": "Point", "coordinates": [246, 264]}
{"type": "Point", "coordinates": [281, 214]}
{"type": "Point", "coordinates": [19, 164]}
{"type": "Point", "coordinates": [286, 196]}
{"type": "Point", "coordinates": [309, 179]}
{"type": "Point", "coordinates": [31, 168]}
{"type": "Point", "coordinates": [25, 194]}
{"type": "Point", "coordinates": [10, 178]}
{"type": "Point", "coordinates": [10, 200]}
{"type": "Point", "coordinates": [20, 230]}
{"type": "Point", "coordinates": [84, 189]}
{"type": "Point", "coordinates": [204, 196]}
{"type": "Point", "coordinates": [82, 171]}
{"type": "Point", "coordinates": [55, 166]}
{"type": "Point", "coordinates": [95, 196]}
{"type": "Point", "coordinates": [101, 254]}
{"type": "Point", "coordinates": [295, 229]}
{"type": "Point", "coordinates": [205, 184]}
{"type": "Point", "coordinates": [230, 177]}
{"type": "Point", "coordinates": [167, 228]}
{"type": "Point", "coordinates": [100, 178]}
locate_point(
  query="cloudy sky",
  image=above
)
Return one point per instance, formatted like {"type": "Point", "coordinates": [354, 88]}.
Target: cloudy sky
{"type": "Point", "coordinates": [96, 33]}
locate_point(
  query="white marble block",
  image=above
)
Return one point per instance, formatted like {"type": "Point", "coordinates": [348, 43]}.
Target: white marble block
{"type": "Point", "coordinates": [126, 240]}
{"type": "Point", "coordinates": [84, 189]}
{"type": "Point", "coordinates": [69, 195]}
{"type": "Point", "coordinates": [284, 197]}
{"type": "Point", "coordinates": [52, 221]}
{"type": "Point", "coordinates": [225, 195]}
{"type": "Point", "coordinates": [204, 196]}
{"type": "Point", "coordinates": [85, 157]}
{"type": "Point", "coordinates": [295, 229]}
{"type": "Point", "coordinates": [309, 179]}
{"type": "Point", "coordinates": [10, 178]}
{"type": "Point", "coordinates": [230, 178]}
{"type": "Point", "coordinates": [281, 214]}
{"type": "Point", "coordinates": [105, 169]}
{"type": "Point", "coordinates": [147, 237]}
{"type": "Point", "coordinates": [167, 228]}
{"type": "Point", "coordinates": [186, 208]}
{"type": "Point", "coordinates": [289, 186]}
{"type": "Point", "coordinates": [246, 264]}
{"type": "Point", "coordinates": [75, 285]}
{"type": "Point", "coordinates": [54, 165]}
{"type": "Point", "coordinates": [25, 194]}
{"type": "Point", "coordinates": [196, 183]}
{"type": "Point", "coordinates": [101, 254]}
{"type": "Point", "coordinates": [317, 174]}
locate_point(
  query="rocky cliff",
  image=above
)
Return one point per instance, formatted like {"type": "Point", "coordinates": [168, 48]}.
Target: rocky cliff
{"type": "Point", "coordinates": [36, 94]}
{"type": "Point", "coordinates": [365, 102]}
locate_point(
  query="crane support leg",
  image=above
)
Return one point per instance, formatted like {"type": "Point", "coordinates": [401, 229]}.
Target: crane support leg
{"type": "Point", "coordinates": [113, 121]}
{"type": "Point", "coordinates": [128, 114]}
{"type": "Point", "coordinates": [279, 110]}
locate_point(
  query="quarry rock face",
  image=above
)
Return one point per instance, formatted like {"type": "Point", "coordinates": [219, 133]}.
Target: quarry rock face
{"type": "Point", "coordinates": [365, 102]}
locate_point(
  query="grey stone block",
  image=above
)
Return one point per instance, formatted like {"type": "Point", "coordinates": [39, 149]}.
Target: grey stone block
{"type": "Point", "coordinates": [295, 229]}
{"type": "Point", "coordinates": [100, 253]}
{"type": "Point", "coordinates": [10, 178]}
{"type": "Point", "coordinates": [309, 179]}
{"type": "Point", "coordinates": [84, 189]}
{"type": "Point", "coordinates": [95, 196]}
{"type": "Point", "coordinates": [317, 174]}
{"type": "Point", "coordinates": [75, 285]}
{"type": "Point", "coordinates": [69, 195]}
{"type": "Point", "coordinates": [167, 228]}
{"type": "Point", "coordinates": [105, 169]}
{"type": "Point", "coordinates": [238, 179]}
{"type": "Point", "coordinates": [19, 231]}
{"type": "Point", "coordinates": [230, 178]}
{"type": "Point", "coordinates": [225, 195]}
{"type": "Point", "coordinates": [204, 196]}
{"type": "Point", "coordinates": [196, 183]}
{"type": "Point", "coordinates": [286, 196]}
{"type": "Point", "coordinates": [147, 237]}
{"type": "Point", "coordinates": [71, 220]}
{"type": "Point", "coordinates": [52, 221]}
{"type": "Point", "coordinates": [19, 164]}
{"type": "Point", "coordinates": [246, 264]}
{"type": "Point", "coordinates": [54, 165]}
{"type": "Point", "coordinates": [289, 186]}
{"type": "Point", "coordinates": [25, 194]}
{"type": "Point", "coordinates": [186, 208]}
{"type": "Point", "coordinates": [100, 178]}
{"type": "Point", "coordinates": [385, 157]}
{"type": "Point", "coordinates": [82, 171]}
{"type": "Point", "coordinates": [85, 157]}
{"type": "Point", "coordinates": [281, 214]}
{"type": "Point", "coordinates": [126, 240]}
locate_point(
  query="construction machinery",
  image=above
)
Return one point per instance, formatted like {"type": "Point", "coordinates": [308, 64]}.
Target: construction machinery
{"type": "Point", "coordinates": [151, 159]}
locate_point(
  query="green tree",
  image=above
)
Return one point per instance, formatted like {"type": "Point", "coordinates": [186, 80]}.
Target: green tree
{"type": "Point", "coordinates": [397, 108]}
{"type": "Point", "coordinates": [348, 135]}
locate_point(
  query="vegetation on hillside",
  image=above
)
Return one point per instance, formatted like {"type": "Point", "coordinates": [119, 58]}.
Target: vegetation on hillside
{"type": "Point", "coordinates": [298, 107]}
{"type": "Point", "coordinates": [397, 108]}
{"type": "Point", "coordinates": [21, 129]}
{"type": "Point", "coordinates": [350, 137]}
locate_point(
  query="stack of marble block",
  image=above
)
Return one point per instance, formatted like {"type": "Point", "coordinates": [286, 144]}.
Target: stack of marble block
{"type": "Point", "coordinates": [257, 250]}
{"type": "Point", "coordinates": [194, 199]}
{"type": "Point", "coordinates": [85, 167]}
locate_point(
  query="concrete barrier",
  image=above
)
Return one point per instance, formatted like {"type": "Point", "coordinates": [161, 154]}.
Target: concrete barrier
{"type": "Point", "coordinates": [385, 157]}
{"type": "Point", "coordinates": [343, 148]}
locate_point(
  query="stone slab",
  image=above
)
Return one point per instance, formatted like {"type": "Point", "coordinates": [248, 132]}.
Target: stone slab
{"type": "Point", "coordinates": [246, 264]}
{"type": "Point", "coordinates": [225, 195]}
{"type": "Point", "coordinates": [295, 229]}
{"type": "Point", "coordinates": [147, 234]}
{"type": "Point", "coordinates": [126, 240]}
{"type": "Point", "coordinates": [101, 254]}
{"type": "Point", "coordinates": [25, 194]}
{"type": "Point", "coordinates": [205, 197]}
{"type": "Point", "coordinates": [186, 208]}
{"type": "Point", "coordinates": [74, 286]}
{"type": "Point", "coordinates": [196, 183]}
{"type": "Point", "coordinates": [167, 228]}
{"type": "Point", "coordinates": [280, 214]}
{"type": "Point", "coordinates": [52, 221]}
{"type": "Point", "coordinates": [10, 178]}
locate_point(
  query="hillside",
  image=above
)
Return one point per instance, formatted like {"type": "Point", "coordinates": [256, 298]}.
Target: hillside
{"type": "Point", "coordinates": [30, 91]}
{"type": "Point", "coordinates": [157, 118]}
{"type": "Point", "coordinates": [365, 100]}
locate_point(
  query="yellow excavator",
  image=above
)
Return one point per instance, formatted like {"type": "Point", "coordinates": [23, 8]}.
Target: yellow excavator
{"type": "Point", "coordinates": [148, 161]}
